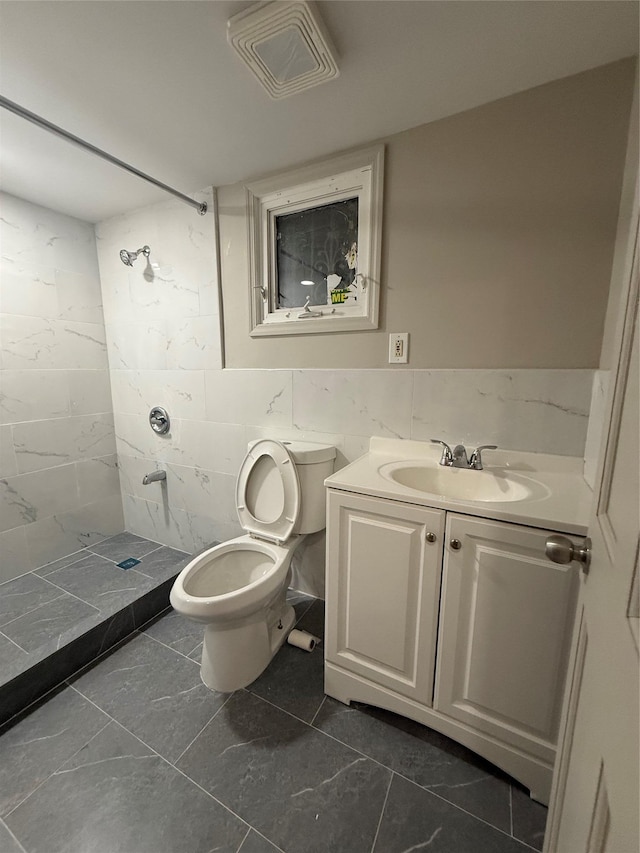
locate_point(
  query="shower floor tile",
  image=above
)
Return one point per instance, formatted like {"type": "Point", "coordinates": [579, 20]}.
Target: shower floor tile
{"type": "Point", "coordinates": [57, 618]}
{"type": "Point", "coordinates": [99, 766]}
{"type": "Point", "coordinates": [45, 625]}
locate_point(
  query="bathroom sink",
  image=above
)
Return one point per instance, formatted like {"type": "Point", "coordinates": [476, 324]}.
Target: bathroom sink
{"type": "Point", "coordinates": [460, 483]}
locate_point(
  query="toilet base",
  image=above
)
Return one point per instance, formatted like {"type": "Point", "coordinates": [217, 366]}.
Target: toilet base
{"type": "Point", "coordinates": [235, 655]}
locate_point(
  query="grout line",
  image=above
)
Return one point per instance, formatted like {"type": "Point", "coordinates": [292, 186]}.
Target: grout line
{"type": "Point", "coordinates": [190, 744]}
{"type": "Point", "coordinates": [72, 594]}
{"type": "Point", "coordinates": [53, 772]}
{"type": "Point", "coordinates": [154, 618]}
{"type": "Point", "coordinates": [384, 805]}
{"type": "Point", "coordinates": [239, 850]}
{"type": "Point", "coordinates": [33, 610]}
{"type": "Point", "coordinates": [160, 643]}
{"type": "Point", "coordinates": [44, 697]}
{"type": "Point", "coordinates": [13, 642]}
{"type": "Point", "coordinates": [166, 760]}
{"type": "Point", "coordinates": [412, 781]}
{"type": "Point", "coordinates": [12, 835]}
{"type": "Point", "coordinates": [317, 712]}
{"type": "Point", "coordinates": [511, 808]}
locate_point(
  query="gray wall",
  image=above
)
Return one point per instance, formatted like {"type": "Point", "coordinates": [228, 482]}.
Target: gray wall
{"type": "Point", "coordinates": [59, 489]}
{"type": "Point", "coordinates": [498, 231]}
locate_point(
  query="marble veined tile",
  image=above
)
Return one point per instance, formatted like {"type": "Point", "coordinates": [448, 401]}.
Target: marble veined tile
{"type": "Point", "coordinates": [44, 625]}
{"type": "Point", "coordinates": [252, 397]}
{"type": "Point", "coordinates": [58, 535]}
{"type": "Point", "coordinates": [134, 799]}
{"type": "Point", "coordinates": [328, 796]}
{"type": "Point", "coordinates": [15, 554]}
{"type": "Point", "coordinates": [30, 343]}
{"type": "Point", "coordinates": [83, 345]}
{"type": "Point", "coordinates": [202, 492]}
{"type": "Point", "coordinates": [8, 462]}
{"type": "Point", "coordinates": [8, 841]}
{"type": "Point", "coordinates": [89, 391]}
{"type": "Point", "coordinates": [118, 548]}
{"type": "Point", "coordinates": [163, 563]}
{"type": "Point", "coordinates": [39, 743]}
{"type": "Point", "coordinates": [79, 296]}
{"type": "Point", "coordinates": [27, 497]}
{"type": "Point", "coordinates": [101, 583]}
{"type": "Point", "coordinates": [193, 343]}
{"type": "Point", "coordinates": [176, 631]}
{"type": "Point", "coordinates": [425, 757]}
{"type": "Point", "coordinates": [29, 395]}
{"type": "Point", "coordinates": [23, 595]}
{"type": "Point", "coordinates": [97, 478]}
{"type": "Point", "coordinates": [211, 446]}
{"type": "Point", "coordinates": [414, 819]}
{"type": "Point", "coordinates": [29, 291]}
{"type": "Point", "coordinates": [543, 411]}
{"type": "Point", "coordinates": [180, 392]}
{"type": "Point", "coordinates": [353, 402]}
{"type": "Point", "coordinates": [137, 345]}
{"type": "Point", "coordinates": [43, 444]}
{"type": "Point", "coordinates": [148, 687]}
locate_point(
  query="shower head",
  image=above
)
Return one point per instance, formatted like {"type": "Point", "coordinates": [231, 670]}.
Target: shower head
{"type": "Point", "coordinates": [128, 258]}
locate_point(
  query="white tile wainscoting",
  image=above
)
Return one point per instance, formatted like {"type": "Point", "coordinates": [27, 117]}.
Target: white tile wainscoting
{"type": "Point", "coordinates": [540, 410]}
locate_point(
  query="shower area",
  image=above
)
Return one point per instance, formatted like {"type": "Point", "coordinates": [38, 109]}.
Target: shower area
{"type": "Point", "coordinates": [99, 324]}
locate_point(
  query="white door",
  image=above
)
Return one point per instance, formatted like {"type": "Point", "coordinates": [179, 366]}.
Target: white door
{"type": "Point", "coordinates": [595, 797]}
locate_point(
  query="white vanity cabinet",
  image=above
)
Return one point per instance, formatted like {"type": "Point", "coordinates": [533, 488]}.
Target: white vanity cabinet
{"type": "Point", "coordinates": [505, 630]}
{"type": "Point", "coordinates": [383, 579]}
{"type": "Point", "coordinates": [401, 575]}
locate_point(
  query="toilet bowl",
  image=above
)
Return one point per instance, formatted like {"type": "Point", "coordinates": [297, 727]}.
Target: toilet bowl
{"type": "Point", "coordinates": [238, 589]}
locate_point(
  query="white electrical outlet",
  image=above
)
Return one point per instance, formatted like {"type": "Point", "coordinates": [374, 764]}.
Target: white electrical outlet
{"type": "Point", "coordinates": [399, 348]}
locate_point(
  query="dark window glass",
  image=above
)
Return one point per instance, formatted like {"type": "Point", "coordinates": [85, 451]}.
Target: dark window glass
{"type": "Point", "coordinates": [311, 245]}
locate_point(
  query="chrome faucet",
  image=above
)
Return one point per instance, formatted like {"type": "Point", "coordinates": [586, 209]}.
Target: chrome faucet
{"type": "Point", "coordinates": [153, 477]}
{"type": "Point", "coordinates": [457, 458]}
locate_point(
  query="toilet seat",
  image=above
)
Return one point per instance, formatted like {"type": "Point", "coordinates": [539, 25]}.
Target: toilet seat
{"type": "Point", "coordinates": [268, 492]}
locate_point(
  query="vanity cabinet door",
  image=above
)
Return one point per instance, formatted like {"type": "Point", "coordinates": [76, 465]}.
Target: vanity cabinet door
{"type": "Point", "coordinates": [505, 629]}
{"type": "Point", "coordinates": [383, 583]}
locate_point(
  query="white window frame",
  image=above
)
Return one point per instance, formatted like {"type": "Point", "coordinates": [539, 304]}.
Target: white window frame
{"type": "Point", "coordinates": [358, 174]}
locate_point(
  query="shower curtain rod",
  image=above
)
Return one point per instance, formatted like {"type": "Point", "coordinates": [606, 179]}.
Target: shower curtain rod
{"type": "Point", "coordinates": [201, 207]}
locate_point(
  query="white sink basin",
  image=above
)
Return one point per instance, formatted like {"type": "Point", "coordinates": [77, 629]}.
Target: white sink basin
{"type": "Point", "coordinates": [462, 484]}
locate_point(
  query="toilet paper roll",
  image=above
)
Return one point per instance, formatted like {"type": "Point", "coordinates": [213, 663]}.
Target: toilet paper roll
{"type": "Point", "coordinates": [303, 640]}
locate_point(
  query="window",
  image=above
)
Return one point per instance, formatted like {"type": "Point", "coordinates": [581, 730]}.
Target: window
{"type": "Point", "coordinates": [314, 244]}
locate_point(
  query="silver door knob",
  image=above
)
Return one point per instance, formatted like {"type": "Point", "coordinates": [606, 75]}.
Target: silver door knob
{"type": "Point", "coordinates": [431, 537]}
{"type": "Point", "coordinates": [456, 544]}
{"type": "Point", "coordinates": [559, 549]}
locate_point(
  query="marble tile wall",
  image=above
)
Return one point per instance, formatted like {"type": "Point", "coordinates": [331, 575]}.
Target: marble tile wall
{"type": "Point", "coordinates": [59, 484]}
{"type": "Point", "coordinates": [597, 414]}
{"type": "Point", "coordinates": [163, 337]}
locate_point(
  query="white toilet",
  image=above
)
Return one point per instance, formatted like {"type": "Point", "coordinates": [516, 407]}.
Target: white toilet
{"type": "Point", "coordinates": [238, 589]}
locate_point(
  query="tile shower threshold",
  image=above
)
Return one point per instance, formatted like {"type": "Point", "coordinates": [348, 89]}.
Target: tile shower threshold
{"type": "Point", "coordinates": [104, 602]}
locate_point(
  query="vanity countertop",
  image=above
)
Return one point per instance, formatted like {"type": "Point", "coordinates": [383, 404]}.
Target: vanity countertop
{"type": "Point", "coordinates": [558, 498]}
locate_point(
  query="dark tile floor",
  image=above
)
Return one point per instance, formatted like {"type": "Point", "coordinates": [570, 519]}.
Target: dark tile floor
{"type": "Point", "coordinates": [43, 610]}
{"type": "Point", "coordinates": [135, 755]}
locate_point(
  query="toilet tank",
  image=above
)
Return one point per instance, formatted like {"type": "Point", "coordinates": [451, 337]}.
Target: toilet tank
{"type": "Point", "coordinates": [314, 463]}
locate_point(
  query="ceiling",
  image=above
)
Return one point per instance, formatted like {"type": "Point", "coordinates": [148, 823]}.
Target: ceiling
{"type": "Point", "coordinates": [155, 83]}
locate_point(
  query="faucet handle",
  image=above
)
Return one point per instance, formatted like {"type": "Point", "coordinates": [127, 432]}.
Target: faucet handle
{"type": "Point", "coordinates": [447, 453]}
{"type": "Point", "coordinates": [475, 460]}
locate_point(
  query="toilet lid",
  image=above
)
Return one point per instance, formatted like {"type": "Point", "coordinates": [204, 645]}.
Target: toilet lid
{"type": "Point", "coordinates": [268, 491]}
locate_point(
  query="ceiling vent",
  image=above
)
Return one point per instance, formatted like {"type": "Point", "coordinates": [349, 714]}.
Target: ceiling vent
{"type": "Point", "coordinates": [285, 44]}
